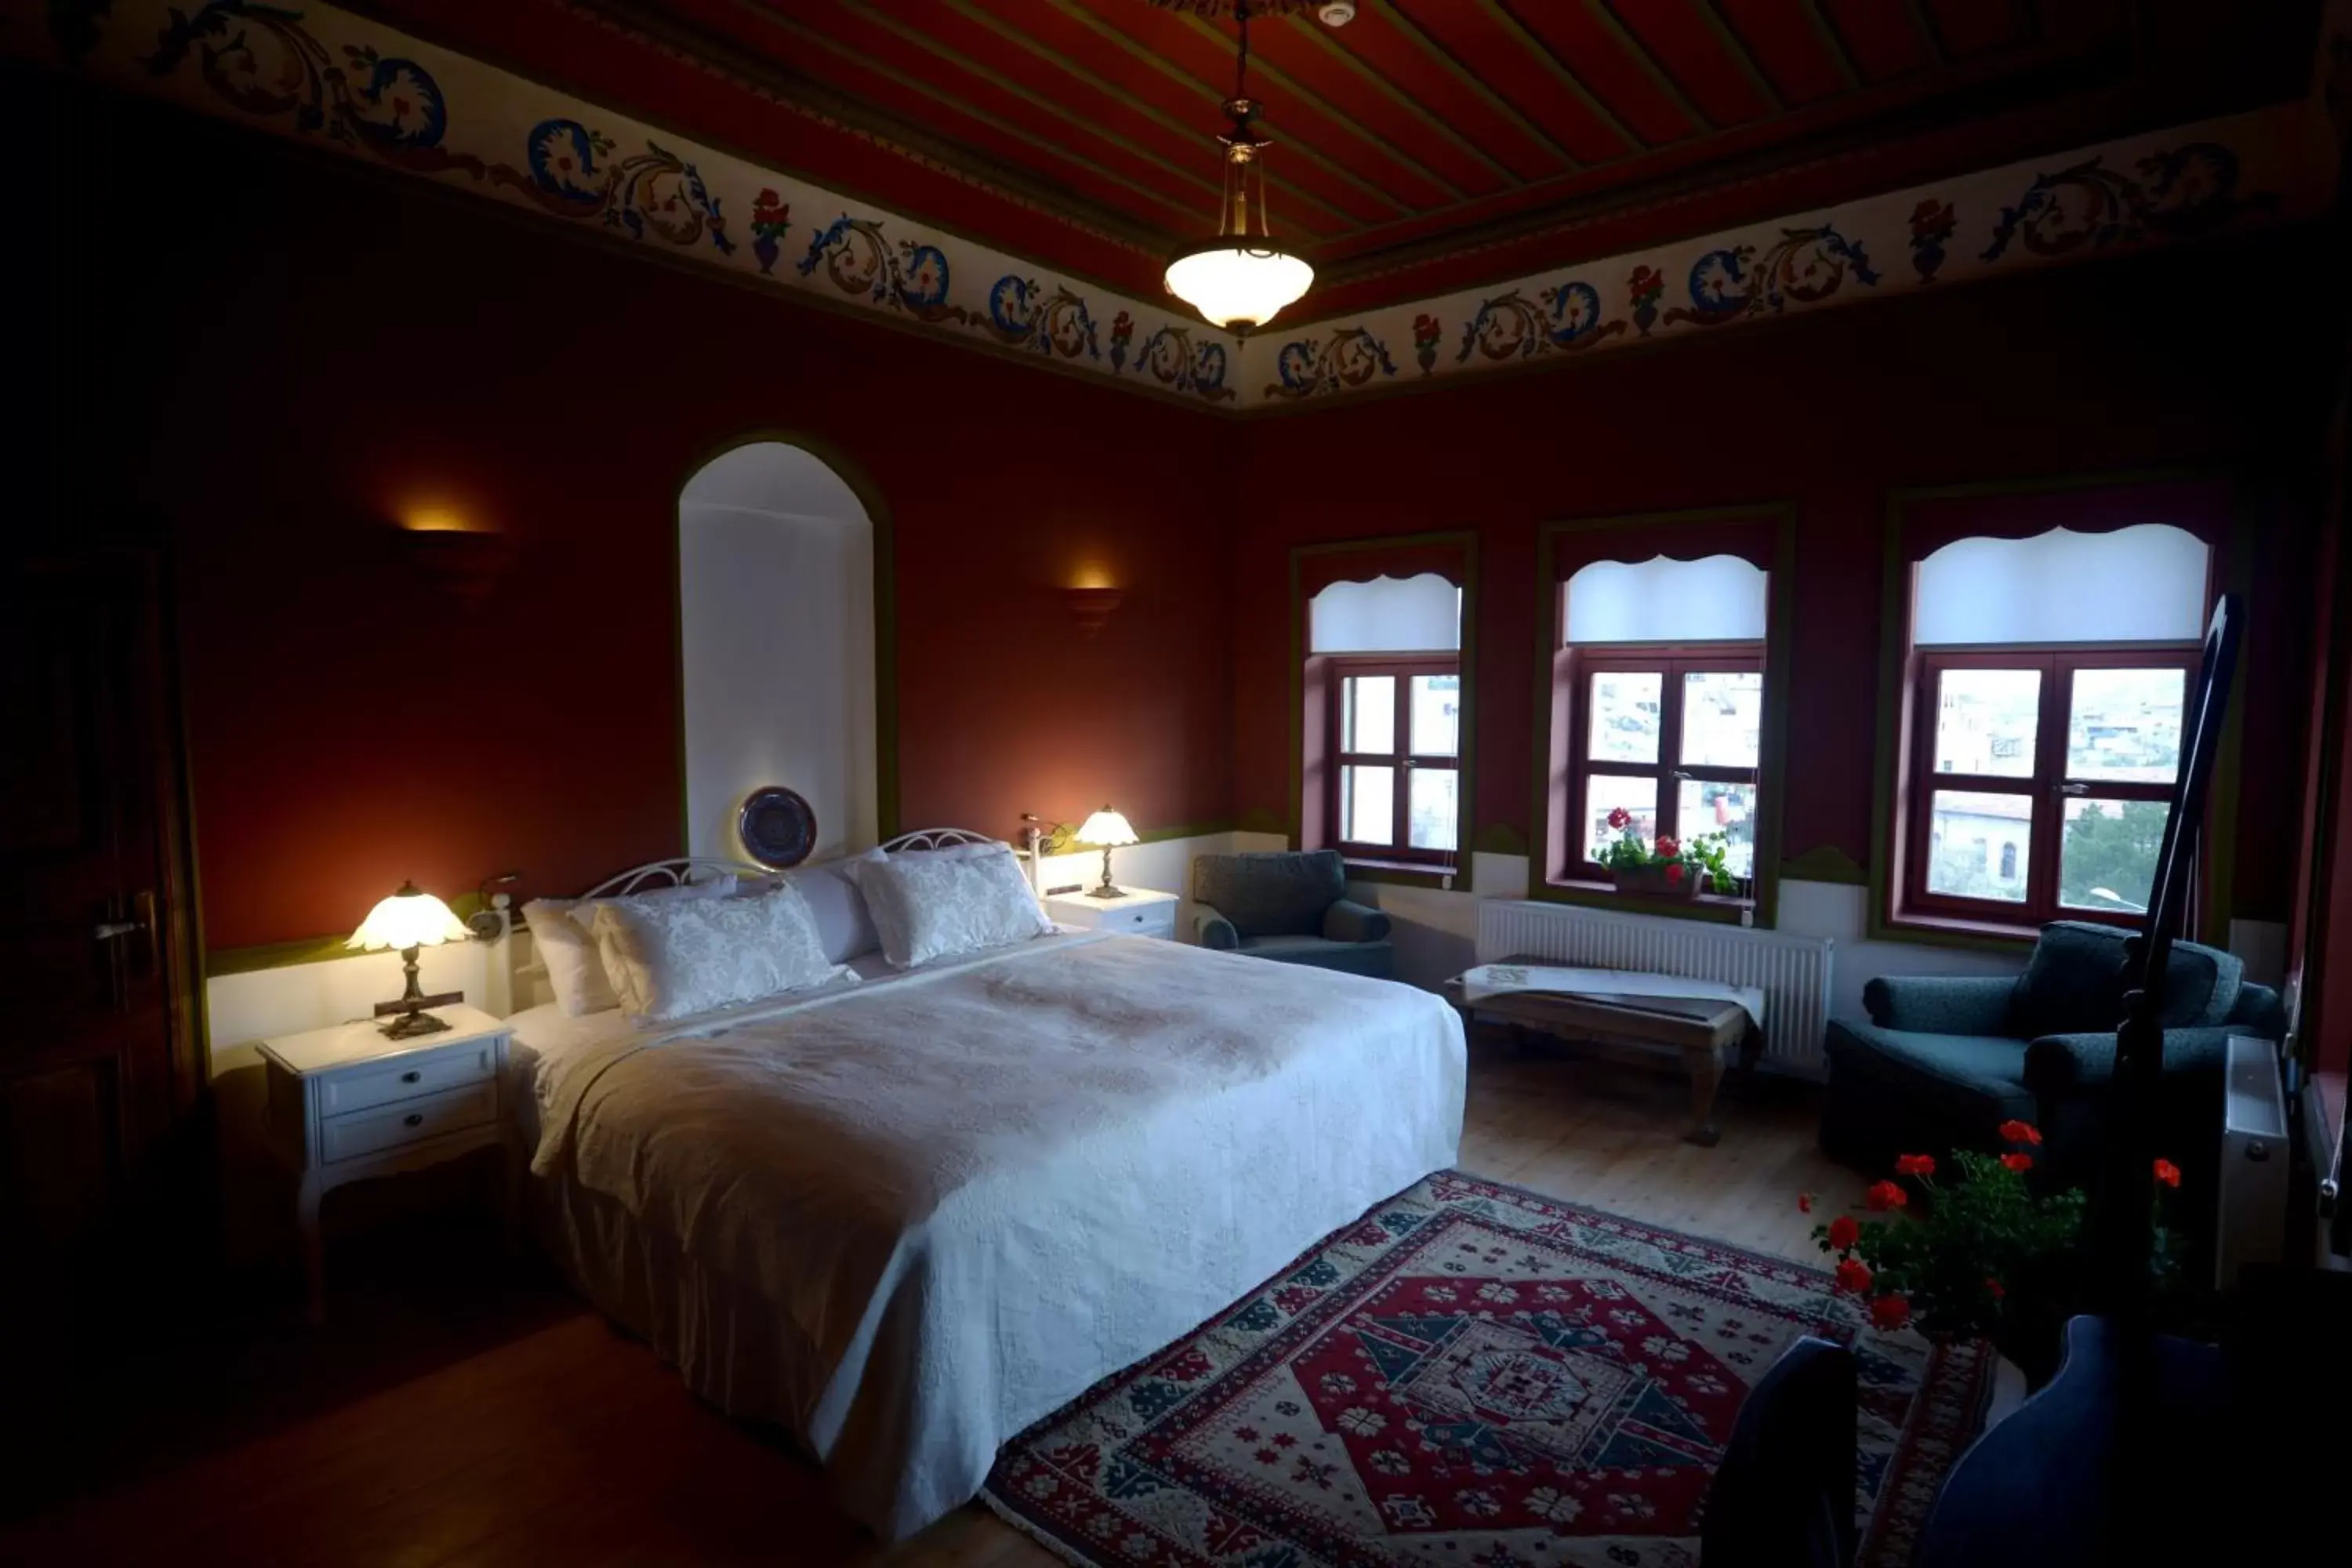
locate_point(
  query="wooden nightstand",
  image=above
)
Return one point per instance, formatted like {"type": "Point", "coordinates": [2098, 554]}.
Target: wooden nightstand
{"type": "Point", "coordinates": [346, 1103]}
{"type": "Point", "coordinates": [1138, 912]}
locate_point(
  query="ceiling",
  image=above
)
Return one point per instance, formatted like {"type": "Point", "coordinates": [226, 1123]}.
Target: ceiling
{"type": "Point", "coordinates": [1428, 144]}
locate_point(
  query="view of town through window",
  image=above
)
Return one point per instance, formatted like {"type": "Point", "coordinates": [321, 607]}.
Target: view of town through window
{"type": "Point", "coordinates": [1425, 750]}
{"type": "Point", "coordinates": [2123, 726]}
{"type": "Point", "coordinates": [1722, 729]}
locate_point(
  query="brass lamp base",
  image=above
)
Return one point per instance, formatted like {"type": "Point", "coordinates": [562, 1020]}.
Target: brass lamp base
{"type": "Point", "coordinates": [409, 1018]}
{"type": "Point", "coordinates": [1107, 889]}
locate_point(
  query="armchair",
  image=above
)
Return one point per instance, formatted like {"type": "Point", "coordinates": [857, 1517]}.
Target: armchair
{"type": "Point", "coordinates": [1290, 906]}
{"type": "Point", "coordinates": [1945, 1061]}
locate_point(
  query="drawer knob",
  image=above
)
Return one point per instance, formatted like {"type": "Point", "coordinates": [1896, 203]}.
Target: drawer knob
{"type": "Point", "coordinates": [412, 1076]}
{"type": "Point", "coordinates": [414, 1119]}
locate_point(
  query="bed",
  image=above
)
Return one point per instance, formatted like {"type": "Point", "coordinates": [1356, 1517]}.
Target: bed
{"type": "Point", "coordinates": [907, 1217]}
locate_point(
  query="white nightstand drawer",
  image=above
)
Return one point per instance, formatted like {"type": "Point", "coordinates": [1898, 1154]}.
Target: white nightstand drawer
{"type": "Point", "coordinates": [1146, 920]}
{"type": "Point", "coordinates": [407, 1121]}
{"type": "Point", "coordinates": [428, 1074]}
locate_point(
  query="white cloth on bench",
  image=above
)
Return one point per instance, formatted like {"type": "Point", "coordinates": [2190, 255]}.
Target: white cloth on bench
{"type": "Point", "coordinates": [1628, 985]}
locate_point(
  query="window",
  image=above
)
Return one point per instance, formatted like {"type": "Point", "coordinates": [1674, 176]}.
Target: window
{"type": "Point", "coordinates": [2043, 778]}
{"type": "Point", "coordinates": [2042, 724]}
{"type": "Point", "coordinates": [1674, 737]}
{"type": "Point", "coordinates": [1395, 753]}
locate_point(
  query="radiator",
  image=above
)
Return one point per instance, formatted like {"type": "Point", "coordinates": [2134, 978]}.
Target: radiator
{"type": "Point", "coordinates": [1794, 971]}
{"type": "Point", "coordinates": [2255, 1176]}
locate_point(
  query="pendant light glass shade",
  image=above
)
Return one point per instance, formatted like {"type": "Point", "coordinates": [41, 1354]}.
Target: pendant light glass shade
{"type": "Point", "coordinates": [1236, 284]}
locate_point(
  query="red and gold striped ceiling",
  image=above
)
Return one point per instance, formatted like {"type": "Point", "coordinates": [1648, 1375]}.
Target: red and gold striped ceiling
{"type": "Point", "coordinates": [1427, 144]}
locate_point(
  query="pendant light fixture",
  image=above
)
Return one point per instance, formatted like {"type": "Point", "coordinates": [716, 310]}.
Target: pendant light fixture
{"type": "Point", "coordinates": [1239, 279]}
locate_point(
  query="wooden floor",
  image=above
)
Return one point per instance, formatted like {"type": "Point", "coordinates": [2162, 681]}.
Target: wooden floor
{"type": "Point", "coordinates": [457, 1410]}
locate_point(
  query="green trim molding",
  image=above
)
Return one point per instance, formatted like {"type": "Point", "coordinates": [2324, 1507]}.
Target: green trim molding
{"type": "Point", "coordinates": [1466, 739]}
{"type": "Point", "coordinates": [2217, 896]}
{"type": "Point", "coordinates": [1499, 839]}
{"type": "Point", "coordinates": [1772, 760]}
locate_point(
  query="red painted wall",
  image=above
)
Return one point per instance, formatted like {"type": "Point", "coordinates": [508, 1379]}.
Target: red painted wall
{"type": "Point", "coordinates": [295, 353]}
{"type": "Point", "coordinates": [2084, 370]}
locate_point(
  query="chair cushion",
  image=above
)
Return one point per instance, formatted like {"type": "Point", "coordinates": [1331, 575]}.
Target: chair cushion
{"type": "Point", "coordinates": [1280, 893]}
{"type": "Point", "coordinates": [2074, 983]}
{"type": "Point", "coordinates": [1966, 1082]}
{"type": "Point", "coordinates": [1377, 958]}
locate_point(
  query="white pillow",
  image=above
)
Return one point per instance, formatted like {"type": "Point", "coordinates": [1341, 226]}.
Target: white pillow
{"type": "Point", "coordinates": [937, 903]}
{"type": "Point", "coordinates": [576, 968]}
{"type": "Point", "coordinates": [842, 923]}
{"type": "Point", "coordinates": [692, 956]}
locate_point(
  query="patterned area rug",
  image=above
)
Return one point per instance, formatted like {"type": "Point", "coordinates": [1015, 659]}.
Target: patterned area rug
{"type": "Point", "coordinates": [1474, 1375]}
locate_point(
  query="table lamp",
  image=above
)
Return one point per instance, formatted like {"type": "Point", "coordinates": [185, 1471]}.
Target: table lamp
{"type": "Point", "coordinates": [410, 919]}
{"type": "Point", "coordinates": [1106, 827]}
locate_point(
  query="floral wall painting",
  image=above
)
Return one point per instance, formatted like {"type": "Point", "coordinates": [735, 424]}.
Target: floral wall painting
{"type": "Point", "coordinates": [327, 76]}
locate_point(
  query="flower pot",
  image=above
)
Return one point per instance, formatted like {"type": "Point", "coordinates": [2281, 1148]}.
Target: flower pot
{"type": "Point", "coordinates": [1651, 881]}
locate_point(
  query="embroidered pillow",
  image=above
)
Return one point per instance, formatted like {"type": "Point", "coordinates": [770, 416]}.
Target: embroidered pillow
{"type": "Point", "coordinates": [930, 904]}
{"type": "Point", "coordinates": [620, 985]}
{"type": "Point", "coordinates": [692, 956]}
{"type": "Point", "coordinates": [576, 968]}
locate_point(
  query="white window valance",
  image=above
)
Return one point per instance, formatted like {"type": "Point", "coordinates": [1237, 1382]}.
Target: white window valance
{"type": "Point", "coordinates": [1720, 598]}
{"type": "Point", "coordinates": [2142, 583]}
{"type": "Point", "coordinates": [1387, 615]}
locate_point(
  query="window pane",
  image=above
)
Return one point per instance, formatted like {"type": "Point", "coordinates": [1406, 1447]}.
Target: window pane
{"type": "Point", "coordinates": [2106, 856]}
{"type": "Point", "coordinates": [1979, 846]}
{"type": "Point", "coordinates": [1368, 714]}
{"type": "Point", "coordinates": [1723, 718]}
{"type": "Point", "coordinates": [1985, 721]}
{"type": "Point", "coordinates": [1703, 807]}
{"type": "Point", "coordinates": [1436, 715]}
{"type": "Point", "coordinates": [1367, 805]}
{"type": "Point", "coordinates": [1433, 812]}
{"type": "Point", "coordinates": [1624, 716]}
{"type": "Point", "coordinates": [1605, 793]}
{"type": "Point", "coordinates": [2126, 725]}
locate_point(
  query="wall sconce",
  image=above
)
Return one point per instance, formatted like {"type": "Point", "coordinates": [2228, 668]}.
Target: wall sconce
{"type": "Point", "coordinates": [459, 559]}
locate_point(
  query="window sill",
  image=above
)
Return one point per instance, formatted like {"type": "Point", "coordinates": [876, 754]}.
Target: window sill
{"type": "Point", "coordinates": [1956, 931]}
{"type": "Point", "coordinates": [1407, 873]}
{"type": "Point", "coordinates": [1711, 907]}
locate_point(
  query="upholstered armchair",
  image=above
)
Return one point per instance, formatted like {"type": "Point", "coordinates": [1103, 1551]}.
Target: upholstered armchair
{"type": "Point", "coordinates": [1291, 906]}
{"type": "Point", "coordinates": [1945, 1061]}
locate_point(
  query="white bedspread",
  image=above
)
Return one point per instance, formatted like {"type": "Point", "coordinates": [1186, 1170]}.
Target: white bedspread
{"type": "Point", "coordinates": [975, 1190]}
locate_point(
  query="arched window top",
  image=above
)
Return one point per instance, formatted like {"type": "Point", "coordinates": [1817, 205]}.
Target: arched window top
{"type": "Point", "coordinates": [1718, 598]}
{"type": "Point", "coordinates": [773, 477]}
{"type": "Point", "coordinates": [1388, 614]}
{"type": "Point", "coordinates": [2142, 583]}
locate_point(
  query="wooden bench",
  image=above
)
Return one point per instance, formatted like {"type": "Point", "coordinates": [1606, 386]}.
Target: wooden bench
{"type": "Point", "coordinates": [1703, 1032]}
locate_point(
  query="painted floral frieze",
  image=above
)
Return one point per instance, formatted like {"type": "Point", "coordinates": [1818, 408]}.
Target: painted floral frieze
{"type": "Point", "coordinates": [321, 74]}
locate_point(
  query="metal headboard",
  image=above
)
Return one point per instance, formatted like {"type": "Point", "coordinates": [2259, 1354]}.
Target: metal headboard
{"type": "Point", "coordinates": [511, 975]}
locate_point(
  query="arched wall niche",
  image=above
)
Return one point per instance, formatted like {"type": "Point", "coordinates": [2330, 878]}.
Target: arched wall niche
{"type": "Point", "coordinates": [785, 661]}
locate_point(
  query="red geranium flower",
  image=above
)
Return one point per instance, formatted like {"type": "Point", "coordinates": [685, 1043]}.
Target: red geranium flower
{"type": "Point", "coordinates": [1845, 1231]}
{"type": "Point", "coordinates": [1804, 1203]}
{"type": "Point", "coordinates": [1618, 817]}
{"type": "Point", "coordinates": [1852, 1276]}
{"type": "Point", "coordinates": [1994, 1286]}
{"type": "Point", "coordinates": [2167, 1172]}
{"type": "Point", "coordinates": [2018, 1161]}
{"type": "Point", "coordinates": [1914, 1165]}
{"type": "Point", "coordinates": [1884, 1195]}
{"type": "Point", "coordinates": [1667, 848]}
{"type": "Point", "coordinates": [1674, 872]}
{"type": "Point", "coordinates": [2020, 1132]}
{"type": "Point", "coordinates": [1890, 1313]}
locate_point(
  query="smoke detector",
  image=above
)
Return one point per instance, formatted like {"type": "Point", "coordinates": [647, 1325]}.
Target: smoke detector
{"type": "Point", "coordinates": [1336, 13]}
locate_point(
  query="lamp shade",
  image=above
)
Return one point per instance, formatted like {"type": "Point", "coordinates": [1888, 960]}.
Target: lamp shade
{"type": "Point", "coordinates": [1237, 284]}
{"type": "Point", "coordinates": [1107, 827]}
{"type": "Point", "coordinates": [410, 917]}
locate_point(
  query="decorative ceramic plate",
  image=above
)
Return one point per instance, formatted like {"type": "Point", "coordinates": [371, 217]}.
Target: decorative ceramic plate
{"type": "Point", "coordinates": [777, 827]}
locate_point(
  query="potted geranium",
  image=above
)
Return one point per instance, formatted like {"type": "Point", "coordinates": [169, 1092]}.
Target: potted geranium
{"type": "Point", "coordinates": [1675, 869]}
{"type": "Point", "coordinates": [1981, 1256]}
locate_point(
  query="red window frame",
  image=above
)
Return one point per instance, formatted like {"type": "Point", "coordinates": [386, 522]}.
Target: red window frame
{"type": "Point", "coordinates": [1670, 664]}
{"type": "Point", "coordinates": [2047, 788]}
{"type": "Point", "coordinates": [1403, 761]}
